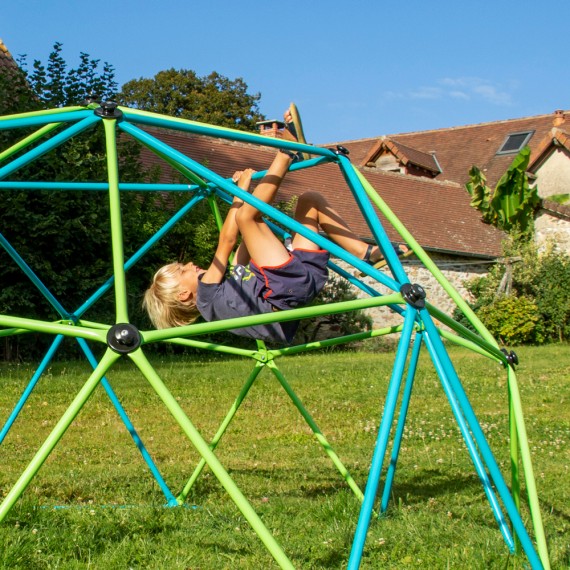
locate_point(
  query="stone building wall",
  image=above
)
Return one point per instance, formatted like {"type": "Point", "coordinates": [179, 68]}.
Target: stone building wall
{"type": "Point", "coordinates": [455, 269]}
{"type": "Point", "coordinates": [552, 228]}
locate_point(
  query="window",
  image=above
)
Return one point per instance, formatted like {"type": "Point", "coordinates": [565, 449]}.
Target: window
{"type": "Point", "coordinates": [514, 142]}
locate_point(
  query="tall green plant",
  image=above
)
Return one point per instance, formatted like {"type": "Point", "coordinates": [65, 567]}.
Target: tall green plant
{"type": "Point", "coordinates": [513, 202]}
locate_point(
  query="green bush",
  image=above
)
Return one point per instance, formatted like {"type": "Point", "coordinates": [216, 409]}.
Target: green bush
{"type": "Point", "coordinates": [512, 320]}
{"type": "Point", "coordinates": [527, 298]}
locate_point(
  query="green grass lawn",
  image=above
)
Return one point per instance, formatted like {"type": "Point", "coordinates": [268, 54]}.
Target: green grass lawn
{"type": "Point", "coordinates": [110, 512]}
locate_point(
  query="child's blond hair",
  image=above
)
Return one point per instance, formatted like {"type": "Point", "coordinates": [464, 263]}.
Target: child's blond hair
{"type": "Point", "coordinates": [162, 303]}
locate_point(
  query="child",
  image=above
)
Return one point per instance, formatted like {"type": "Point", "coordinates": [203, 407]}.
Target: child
{"type": "Point", "coordinates": [266, 276]}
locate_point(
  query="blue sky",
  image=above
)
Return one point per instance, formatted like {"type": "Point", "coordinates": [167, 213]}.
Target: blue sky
{"type": "Point", "coordinates": [355, 68]}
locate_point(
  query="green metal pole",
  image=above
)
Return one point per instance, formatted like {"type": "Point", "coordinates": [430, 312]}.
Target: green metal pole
{"type": "Point", "coordinates": [28, 140]}
{"type": "Point", "coordinates": [222, 429]}
{"type": "Point", "coordinates": [213, 463]}
{"type": "Point", "coordinates": [116, 224]}
{"type": "Point", "coordinates": [515, 468]}
{"type": "Point", "coordinates": [425, 259]}
{"type": "Point", "coordinates": [528, 470]}
{"type": "Point", "coordinates": [318, 433]}
{"type": "Point", "coordinates": [57, 433]}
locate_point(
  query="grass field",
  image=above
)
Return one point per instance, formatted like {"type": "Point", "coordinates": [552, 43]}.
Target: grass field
{"type": "Point", "coordinates": [110, 512]}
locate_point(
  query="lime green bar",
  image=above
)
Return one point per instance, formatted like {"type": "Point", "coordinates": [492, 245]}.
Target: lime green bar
{"type": "Point", "coordinates": [41, 113]}
{"type": "Point", "coordinates": [317, 432]}
{"type": "Point", "coordinates": [28, 140]}
{"type": "Point", "coordinates": [130, 112]}
{"type": "Point", "coordinates": [204, 450]}
{"type": "Point", "coordinates": [116, 224]}
{"type": "Point", "coordinates": [57, 433]}
{"type": "Point", "coordinates": [425, 259]}
{"type": "Point", "coordinates": [276, 317]}
{"type": "Point", "coordinates": [221, 348]}
{"type": "Point", "coordinates": [491, 349]}
{"type": "Point", "coordinates": [177, 166]}
{"type": "Point", "coordinates": [222, 429]}
{"type": "Point", "coordinates": [460, 341]}
{"type": "Point", "coordinates": [515, 471]}
{"type": "Point", "coordinates": [65, 329]}
{"type": "Point", "coordinates": [528, 470]}
{"type": "Point", "coordinates": [319, 344]}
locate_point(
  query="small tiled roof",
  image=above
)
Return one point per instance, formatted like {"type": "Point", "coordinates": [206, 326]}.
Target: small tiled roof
{"type": "Point", "coordinates": [556, 138]}
{"type": "Point", "coordinates": [459, 148]}
{"type": "Point", "coordinates": [404, 154]}
{"type": "Point", "coordinates": [437, 214]}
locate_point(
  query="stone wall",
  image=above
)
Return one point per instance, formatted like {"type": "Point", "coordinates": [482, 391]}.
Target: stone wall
{"type": "Point", "coordinates": [553, 228]}
{"type": "Point", "coordinates": [455, 269]}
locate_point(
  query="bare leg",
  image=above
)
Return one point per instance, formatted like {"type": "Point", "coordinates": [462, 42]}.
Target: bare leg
{"type": "Point", "coordinates": [313, 211]}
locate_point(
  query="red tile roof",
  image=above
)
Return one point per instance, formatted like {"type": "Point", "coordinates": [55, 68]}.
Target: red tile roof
{"type": "Point", "coordinates": [437, 214]}
{"type": "Point", "coordinates": [457, 149]}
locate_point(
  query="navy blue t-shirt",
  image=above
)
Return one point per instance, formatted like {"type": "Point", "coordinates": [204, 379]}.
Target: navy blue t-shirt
{"type": "Point", "coordinates": [239, 295]}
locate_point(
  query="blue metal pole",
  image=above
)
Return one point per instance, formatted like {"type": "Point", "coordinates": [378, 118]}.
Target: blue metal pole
{"type": "Point", "coordinates": [140, 253]}
{"type": "Point", "coordinates": [381, 442]}
{"type": "Point", "coordinates": [48, 145]}
{"type": "Point", "coordinates": [372, 220]}
{"type": "Point", "coordinates": [170, 498]}
{"type": "Point", "coordinates": [33, 277]}
{"type": "Point", "coordinates": [36, 119]}
{"type": "Point", "coordinates": [495, 472]}
{"type": "Point", "coordinates": [401, 421]}
{"type": "Point", "coordinates": [444, 372]}
{"type": "Point", "coordinates": [31, 385]}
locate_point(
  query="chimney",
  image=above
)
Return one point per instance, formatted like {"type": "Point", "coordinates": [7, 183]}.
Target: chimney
{"type": "Point", "coordinates": [271, 128]}
{"type": "Point", "coordinates": [558, 118]}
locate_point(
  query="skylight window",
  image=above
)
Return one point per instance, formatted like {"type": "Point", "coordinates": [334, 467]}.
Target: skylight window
{"type": "Point", "coordinates": [514, 142]}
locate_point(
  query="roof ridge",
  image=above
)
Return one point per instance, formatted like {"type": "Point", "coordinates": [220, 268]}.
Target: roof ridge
{"type": "Point", "coordinates": [454, 128]}
{"type": "Point", "coordinates": [5, 49]}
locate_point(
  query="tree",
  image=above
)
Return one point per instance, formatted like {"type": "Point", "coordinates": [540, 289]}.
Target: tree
{"type": "Point", "coordinates": [62, 236]}
{"type": "Point", "coordinates": [54, 85]}
{"type": "Point", "coordinates": [212, 99]}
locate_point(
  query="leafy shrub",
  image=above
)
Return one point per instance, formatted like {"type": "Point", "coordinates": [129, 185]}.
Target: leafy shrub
{"type": "Point", "coordinates": [531, 288]}
{"type": "Point", "coordinates": [511, 319]}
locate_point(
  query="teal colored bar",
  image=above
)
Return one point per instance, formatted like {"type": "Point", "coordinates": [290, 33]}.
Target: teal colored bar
{"type": "Point", "coordinates": [438, 352]}
{"type": "Point", "coordinates": [38, 118]}
{"type": "Point", "coordinates": [404, 406]}
{"type": "Point", "coordinates": [379, 453]}
{"type": "Point", "coordinates": [97, 186]}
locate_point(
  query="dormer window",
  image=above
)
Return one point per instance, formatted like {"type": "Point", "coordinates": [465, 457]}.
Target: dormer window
{"type": "Point", "coordinates": [514, 142]}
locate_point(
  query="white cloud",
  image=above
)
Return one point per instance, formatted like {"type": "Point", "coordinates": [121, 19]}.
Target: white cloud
{"type": "Point", "coordinates": [459, 88]}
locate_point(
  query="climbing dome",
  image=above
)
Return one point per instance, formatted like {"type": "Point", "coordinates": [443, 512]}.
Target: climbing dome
{"type": "Point", "coordinates": [422, 327]}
